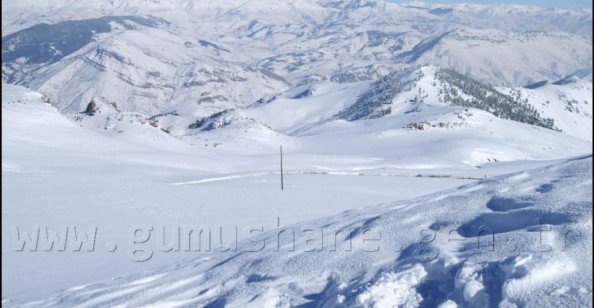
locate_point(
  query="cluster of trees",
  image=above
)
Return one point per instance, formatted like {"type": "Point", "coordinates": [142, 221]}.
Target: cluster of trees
{"type": "Point", "coordinates": [460, 90]}
{"type": "Point", "coordinates": [214, 121]}
{"type": "Point", "coordinates": [376, 102]}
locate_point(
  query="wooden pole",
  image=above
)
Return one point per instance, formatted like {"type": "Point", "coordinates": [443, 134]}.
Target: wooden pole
{"type": "Point", "coordinates": [281, 166]}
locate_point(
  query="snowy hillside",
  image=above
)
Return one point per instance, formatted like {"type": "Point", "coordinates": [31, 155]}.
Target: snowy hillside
{"type": "Point", "coordinates": [568, 102]}
{"type": "Point", "coordinates": [136, 167]}
{"type": "Point", "coordinates": [133, 129]}
{"type": "Point", "coordinates": [522, 239]}
{"type": "Point", "coordinates": [149, 56]}
{"type": "Point", "coordinates": [414, 104]}
{"type": "Point", "coordinates": [142, 65]}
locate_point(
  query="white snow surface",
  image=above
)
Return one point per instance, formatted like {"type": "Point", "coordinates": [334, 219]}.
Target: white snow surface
{"type": "Point", "coordinates": [535, 250]}
{"type": "Point", "coordinates": [59, 172]}
{"type": "Point", "coordinates": [189, 108]}
{"type": "Point", "coordinates": [569, 104]}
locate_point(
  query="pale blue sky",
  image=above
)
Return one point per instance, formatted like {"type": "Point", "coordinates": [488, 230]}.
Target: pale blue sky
{"type": "Point", "coordinates": [542, 3]}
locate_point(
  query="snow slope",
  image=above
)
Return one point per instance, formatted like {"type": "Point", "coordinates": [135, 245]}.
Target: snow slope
{"type": "Point", "coordinates": [144, 65]}
{"type": "Point", "coordinates": [534, 249]}
{"type": "Point", "coordinates": [89, 166]}
{"type": "Point", "coordinates": [570, 104]}
{"type": "Point", "coordinates": [170, 113]}
{"type": "Point", "coordinates": [59, 172]}
{"type": "Point", "coordinates": [400, 120]}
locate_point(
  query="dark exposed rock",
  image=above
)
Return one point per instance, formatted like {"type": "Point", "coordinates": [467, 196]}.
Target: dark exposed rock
{"type": "Point", "coordinates": [92, 108]}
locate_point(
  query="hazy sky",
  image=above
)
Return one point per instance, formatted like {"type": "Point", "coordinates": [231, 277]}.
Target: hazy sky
{"type": "Point", "coordinates": [542, 3]}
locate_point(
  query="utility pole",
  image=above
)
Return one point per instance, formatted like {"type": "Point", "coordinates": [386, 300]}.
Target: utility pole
{"type": "Point", "coordinates": [281, 165]}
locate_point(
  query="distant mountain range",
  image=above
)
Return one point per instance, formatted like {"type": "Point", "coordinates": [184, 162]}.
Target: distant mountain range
{"type": "Point", "coordinates": [204, 63]}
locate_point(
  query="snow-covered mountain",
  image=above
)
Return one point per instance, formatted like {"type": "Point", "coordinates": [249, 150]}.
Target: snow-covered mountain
{"type": "Point", "coordinates": [148, 56]}
{"type": "Point", "coordinates": [420, 99]}
{"type": "Point", "coordinates": [200, 59]}
{"type": "Point", "coordinates": [423, 251]}
{"type": "Point", "coordinates": [568, 102]}
{"type": "Point", "coordinates": [141, 64]}
{"type": "Point", "coordinates": [134, 167]}
{"type": "Point", "coordinates": [411, 117]}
